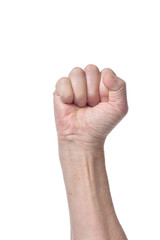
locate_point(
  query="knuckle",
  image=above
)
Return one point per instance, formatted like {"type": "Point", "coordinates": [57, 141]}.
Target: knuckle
{"type": "Point", "coordinates": [76, 70]}
{"type": "Point", "coordinates": [108, 70]}
{"type": "Point", "coordinates": [91, 67]}
{"type": "Point", "coordinates": [123, 83]}
{"type": "Point", "coordinates": [61, 81]}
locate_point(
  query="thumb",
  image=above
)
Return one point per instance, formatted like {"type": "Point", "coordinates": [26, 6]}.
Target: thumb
{"type": "Point", "coordinates": [117, 91]}
{"type": "Point", "coordinates": [112, 82]}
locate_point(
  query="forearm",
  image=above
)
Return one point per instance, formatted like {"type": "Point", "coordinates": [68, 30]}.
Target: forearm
{"type": "Point", "coordinates": [92, 213]}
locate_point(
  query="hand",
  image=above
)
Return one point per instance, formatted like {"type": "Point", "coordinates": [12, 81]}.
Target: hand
{"type": "Point", "coordinates": [88, 104]}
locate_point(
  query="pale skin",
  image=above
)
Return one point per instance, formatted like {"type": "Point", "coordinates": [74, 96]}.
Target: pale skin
{"type": "Point", "coordinates": [88, 104]}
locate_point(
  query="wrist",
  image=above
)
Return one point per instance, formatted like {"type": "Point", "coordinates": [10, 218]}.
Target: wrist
{"type": "Point", "coordinates": [77, 158]}
{"type": "Point", "coordinates": [79, 144]}
{"type": "Point", "coordinates": [83, 169]}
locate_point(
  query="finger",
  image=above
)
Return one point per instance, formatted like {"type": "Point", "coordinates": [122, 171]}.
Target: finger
{"type": "Point", "coordinates": [112, 82]}
{"type": "Point", "coordinates": [78, 81]}
{"type": "Point", "coordinates": [64, 90]}
{"type": "Point", "coordinates": [92, 80]}
{"type": "Point", "coordinates": [103, 89]}
{"type": "Point", "coordinates": [117, 91]}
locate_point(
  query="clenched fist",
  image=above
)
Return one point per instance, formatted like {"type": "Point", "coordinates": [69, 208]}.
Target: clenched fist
{"type": "Point", "coordinates": [88, 104]}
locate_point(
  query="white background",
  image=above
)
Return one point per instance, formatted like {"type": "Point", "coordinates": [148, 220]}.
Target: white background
{"type": "Point", "coordinates": [41, 41]}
